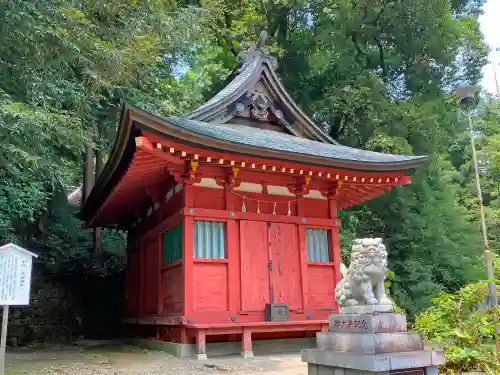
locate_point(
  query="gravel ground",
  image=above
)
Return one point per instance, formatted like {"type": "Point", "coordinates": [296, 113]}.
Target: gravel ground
{"type": "Point", "coordinates": [125, 360]}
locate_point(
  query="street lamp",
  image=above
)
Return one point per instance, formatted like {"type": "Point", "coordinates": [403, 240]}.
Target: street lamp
{"type": "Point", "coordinates": [466, 95]}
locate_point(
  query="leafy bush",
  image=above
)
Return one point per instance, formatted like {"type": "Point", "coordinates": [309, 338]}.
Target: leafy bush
{"type": "Point", "coordinates": [464, 329]}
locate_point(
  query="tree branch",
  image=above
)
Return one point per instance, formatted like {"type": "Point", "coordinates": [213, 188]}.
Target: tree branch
{"type": "Point", "coordinates": [381, 57]}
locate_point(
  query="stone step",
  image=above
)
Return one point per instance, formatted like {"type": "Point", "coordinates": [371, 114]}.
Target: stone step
{"type": "Point", "coordinates": [373, 362]}
{"type": "Point", "coordinates": [370, 343]}
{"type": "Point", "coordinates": [368, 323]}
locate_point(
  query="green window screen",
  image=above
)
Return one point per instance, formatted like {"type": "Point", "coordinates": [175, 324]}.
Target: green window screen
{"type": "Point", "coordinates": [209, 240]}
{"type": "Point", "coordinates": [318, 245]}
{"type": "Point", "coordinates": [172, 245]}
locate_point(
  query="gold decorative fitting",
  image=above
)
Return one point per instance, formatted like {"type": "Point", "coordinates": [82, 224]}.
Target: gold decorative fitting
{"type": "Point", "coordinates": [236, 171]}
{"type": "Point", "coordinates": [196, 157]}
{"type": "Point", "coordinates": [194, 165]}
{"type": "Point", "coordinates": [308, 180]}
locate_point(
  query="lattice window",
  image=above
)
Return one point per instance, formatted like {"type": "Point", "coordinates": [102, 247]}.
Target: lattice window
{"type": "Point", "coordinates": [318, 245]}
{"type": "Point", "coordinates": [172, 245]}
{"type": "Point", "coordinates": [209, 240]}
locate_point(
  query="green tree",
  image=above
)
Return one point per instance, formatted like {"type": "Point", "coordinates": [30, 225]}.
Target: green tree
{"type": "Point", "coordinates": [376, 74]}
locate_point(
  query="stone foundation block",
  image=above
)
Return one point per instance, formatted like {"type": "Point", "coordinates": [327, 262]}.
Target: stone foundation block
{"type": "Point", "coordinates": [326, 370]}
{"type": "Point", "coordinates": [368, 323]}
{"type": "Point", "coordinates": [370, 343]}
{"type": "Point", "coordinates": [367, 309]}
{"type": "Point", "coordinates": [372, 362]}
{"type": "Point", "coordinates": [247, 354]}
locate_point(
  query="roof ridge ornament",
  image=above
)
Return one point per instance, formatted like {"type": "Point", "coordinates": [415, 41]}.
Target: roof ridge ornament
{"type": "Point", "coordinates": [247, 55]}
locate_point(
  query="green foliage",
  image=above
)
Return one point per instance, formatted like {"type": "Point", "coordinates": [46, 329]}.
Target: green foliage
{"type": "Point", "coordinates": [463, 329]}
{"type": "Point", "coordinates": [376, 73]}
{"type": "Point", "coordinates": [66, 68]}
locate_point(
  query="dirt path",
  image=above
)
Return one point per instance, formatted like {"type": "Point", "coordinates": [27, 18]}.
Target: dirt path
{"type": "Point", "coordinates": [123, 360]}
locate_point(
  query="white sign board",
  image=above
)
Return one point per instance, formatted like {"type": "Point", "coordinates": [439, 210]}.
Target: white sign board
{"type": "Point", "coordinates": [15, 275]}
{"type": "Point", "coordinates": [15, 281]}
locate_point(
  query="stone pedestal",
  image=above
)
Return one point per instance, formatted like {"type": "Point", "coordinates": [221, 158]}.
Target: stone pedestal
{"type": "Point", "coordinates": [370, 343]}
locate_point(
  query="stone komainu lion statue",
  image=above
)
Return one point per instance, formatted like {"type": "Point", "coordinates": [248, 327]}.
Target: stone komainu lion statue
{"type": "Point", "coordinates": [363, 282]}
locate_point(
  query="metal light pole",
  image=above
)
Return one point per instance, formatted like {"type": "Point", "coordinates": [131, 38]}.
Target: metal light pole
{"type": "Point", "coordinates": [466, 96]}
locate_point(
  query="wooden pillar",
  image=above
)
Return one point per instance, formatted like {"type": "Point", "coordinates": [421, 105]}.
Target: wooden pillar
{"type": "Point", "coordinates": [184, 336]}
{"type": "Point", "coordinates": [234, 268]}
{"type": "Point", "coordinates": [303, 265]}
{"type": "Point", "coordinates": [229, 197]}
{"type": "Point", "coordinates": [99, 163]}
{"type": "Point", "coordinates": [201, 344]}
{"type": "Point", "coordinates": [246, 343]}
{"type": "Point", "coordinates": [88, 171]}
{"type": "Point", "coordinates": [142, 271]}
{"type": "Point", "coordinates": [334, 237]}
{"type": "Point", "coordinates": [188, 264]}
{"type": "Point", "coordinates": [96, 238]}
{"type": "Point", "coordinates": [161, 284]}
{"type": "Point", "coordinates": [335, 253]}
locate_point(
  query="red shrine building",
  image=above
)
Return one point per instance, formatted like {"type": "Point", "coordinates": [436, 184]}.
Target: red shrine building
{"type": "Point", "coordinates": [231, 213]}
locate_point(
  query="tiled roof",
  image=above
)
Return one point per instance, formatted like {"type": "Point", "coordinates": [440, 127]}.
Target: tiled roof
{"type": "Point", "coordinates": [272, 140]}
{"type": "Point", "coordinates": [236, 83]}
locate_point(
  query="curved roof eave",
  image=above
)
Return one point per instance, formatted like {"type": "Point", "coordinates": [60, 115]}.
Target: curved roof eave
{"type": "Point", "coordinates": [124, 148]}
{"type": "Point", "coordinates": [115, 165]}
{"type": "Point", "coordinates": [173, 128]}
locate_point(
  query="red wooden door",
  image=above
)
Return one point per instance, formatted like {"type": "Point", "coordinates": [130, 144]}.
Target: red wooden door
{"type": "Point", "coordinates": [254, 265]}
{"type": "Point", "coordinates": [284, 265]}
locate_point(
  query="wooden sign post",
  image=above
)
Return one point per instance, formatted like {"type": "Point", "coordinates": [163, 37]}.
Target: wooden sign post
{"type": "Point", "coordinates": [15, 281]}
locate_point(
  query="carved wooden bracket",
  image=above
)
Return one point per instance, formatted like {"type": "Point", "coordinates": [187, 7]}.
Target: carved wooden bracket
{"type": "Point", "coordinates": [334, 190]}
{"type": "Point", "coordinates": [302, 187]}
{"type": "Point", "coordinates": [232, 180]}
{"type": "Point", "coordinates": [186, 176]}
{"type": "Point", "coordinates": [155, 194]}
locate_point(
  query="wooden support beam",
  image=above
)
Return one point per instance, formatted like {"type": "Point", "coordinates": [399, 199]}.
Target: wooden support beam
{"type": "Point", "coordinates": [88, 172]}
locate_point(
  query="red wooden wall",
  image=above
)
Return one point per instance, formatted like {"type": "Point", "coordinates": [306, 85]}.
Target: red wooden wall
{"type": "Point", "coordinates": [238, 287]}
